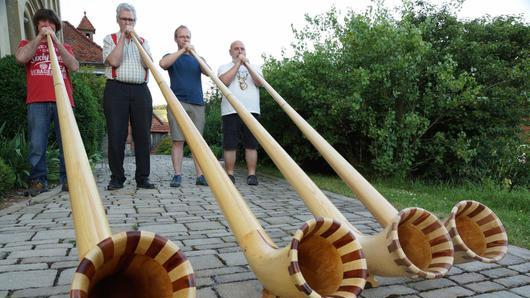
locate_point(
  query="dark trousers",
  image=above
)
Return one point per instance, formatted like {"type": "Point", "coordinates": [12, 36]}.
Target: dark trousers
{"type": "Point", "coordinates": [121, 102]}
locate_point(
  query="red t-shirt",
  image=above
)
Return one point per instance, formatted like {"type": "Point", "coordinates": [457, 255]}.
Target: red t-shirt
{"type": "Point", "coordinates": [39, 75]}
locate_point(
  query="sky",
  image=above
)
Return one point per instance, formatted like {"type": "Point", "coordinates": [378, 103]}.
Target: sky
{"type": "Point", "coordinates": [264, 26]}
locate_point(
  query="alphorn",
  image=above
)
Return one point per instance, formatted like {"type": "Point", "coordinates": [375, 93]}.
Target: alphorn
{"type": "Point", "coordinates": [129, 264]}
{"type": "Point", "coordinates": [415, 243]}
{"type": "Point", "coordinates": [323, 259]}
{"type": "Point", "coordinates": [476, 232]}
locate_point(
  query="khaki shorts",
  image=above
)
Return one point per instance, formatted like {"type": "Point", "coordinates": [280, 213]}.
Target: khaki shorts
{"type": "Point", "coordinates": [195, 112]}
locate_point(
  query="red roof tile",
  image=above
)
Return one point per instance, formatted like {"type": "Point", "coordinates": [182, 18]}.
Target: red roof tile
{"type": "Point", "coordinates": [85, 50]}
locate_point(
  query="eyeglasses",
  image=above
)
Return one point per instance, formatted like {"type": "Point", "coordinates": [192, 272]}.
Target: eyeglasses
{"type": "Point", "coordinates": [128, 20]}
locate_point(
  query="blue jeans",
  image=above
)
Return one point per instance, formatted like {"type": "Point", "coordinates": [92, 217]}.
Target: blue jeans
{"type": "Point", "coordinates": [40, 116]}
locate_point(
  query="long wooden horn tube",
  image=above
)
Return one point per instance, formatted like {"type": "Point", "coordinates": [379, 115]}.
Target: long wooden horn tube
{"type": "Point", "coordinates": [416, 243]}
{"type": "Point", "coordinates": [487, 243]}
{"type": "Point", "coordinates": [323, 259]}
{"type": "Point", "coordinates": [128, 264]}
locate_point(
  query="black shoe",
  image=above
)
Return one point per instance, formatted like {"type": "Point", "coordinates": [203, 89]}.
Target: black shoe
{"type": "Point", "coordinates": [145, 184]}
{"type": "Point", "coordinates": [64, 187]}
{"type": "Point", "coordinates": [252, 180]}
{"type": "Point", "coordinates": [37, 187]}
{"type": "Point", "coordinates": [201, 181]}
{"type": "Point", "coordinates": [113, 185]}
{"type": "Point", "coordinates": [232, 178]}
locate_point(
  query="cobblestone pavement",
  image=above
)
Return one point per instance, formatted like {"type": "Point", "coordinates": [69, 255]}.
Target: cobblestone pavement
{"type": "Point", "coordinates": [38, 255]}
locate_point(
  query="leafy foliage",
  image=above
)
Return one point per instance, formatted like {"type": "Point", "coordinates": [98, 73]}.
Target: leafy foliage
{"type": "Point", "coordinates": [88, 96]}
{"type": "Point", "coordinates": [13, 96]}
{"type": "Point", "coordinates": [7, 177]}
{"type": "Point", "coordinates": [212, 128]}
{"type": "Point", "coordinates": [423, 95]}
{"type": "Point", "coordinates": [14, 152]}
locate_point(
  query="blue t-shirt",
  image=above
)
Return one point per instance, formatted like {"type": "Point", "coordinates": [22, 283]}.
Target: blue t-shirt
{"type": "Point", "coordinates": [185, 77]}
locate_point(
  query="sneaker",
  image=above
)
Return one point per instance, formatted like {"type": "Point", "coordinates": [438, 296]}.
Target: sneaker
{"type": "Point", "coordinates": [64, 187]}
{"type": "Point", "coordinates": [37, 187]}
{"type": "Point", "coordinates": [252, 180]}
{"type": "Point", "coordinates": [232, 178]}
{"type": "Point", "coordinates": [201, 181]}
{"type": "Point", "coordinates": [176, 181]}
{"type": "Point", "coordinates": [113, 185]}
{"type": "Point", "coordinates": [145, 184]}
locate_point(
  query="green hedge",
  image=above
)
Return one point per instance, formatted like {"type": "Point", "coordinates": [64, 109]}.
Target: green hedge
{"type": "Point", "coordinates": [7, 177]}
{"type": "Point", "coordinates": [421, 95]}
{"type": "Point", "coordinates": [13, 97]}
{"type": "Point", "coordinates": [88, 91]}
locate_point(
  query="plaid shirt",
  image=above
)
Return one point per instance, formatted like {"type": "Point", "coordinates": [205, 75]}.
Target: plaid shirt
{"type": "Point", "coordinates": [131, 69]}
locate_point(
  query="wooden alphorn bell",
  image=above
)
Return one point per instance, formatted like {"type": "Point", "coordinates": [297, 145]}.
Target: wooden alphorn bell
{"type": "Point", "coordinates": [476, 232]}
{"type": "Point", "coordinates": [129, 264]}
{"type": "Point", "coordinates": [323, 258]}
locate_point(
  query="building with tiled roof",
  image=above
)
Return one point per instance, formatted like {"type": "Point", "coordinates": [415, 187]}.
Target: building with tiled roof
{"type": "Point", "coordinates": [86, 26]}
{"type": "Point", "coordinates": [16, 21]}
{"type": "Point", "coordinates": [87, 52]}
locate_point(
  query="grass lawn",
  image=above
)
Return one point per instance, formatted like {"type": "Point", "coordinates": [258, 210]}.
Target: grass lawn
{"type": "Point", "coordinates": [513, 208]}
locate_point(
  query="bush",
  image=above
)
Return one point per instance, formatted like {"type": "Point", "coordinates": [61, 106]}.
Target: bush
{"type": "Point", "coordinates": [88, 91]}
{"type": "Point", "coordinates": [12, 97]}
{"type": "Point", "coordinates": [421, 95]}
{"type": "Point", "coordinates": [164, 146]}
{"type": "Point", "coordinates": [7, 177]}
{"type": "Point", "coordinates": [14, 152]}
{"type": "Point", "coordinates": [213, 134]}
{"type": "Point", "coordinates": [88, 94]}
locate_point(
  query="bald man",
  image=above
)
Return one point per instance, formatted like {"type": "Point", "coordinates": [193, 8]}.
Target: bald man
{"type": "Point", "coordinates": [244, 86]}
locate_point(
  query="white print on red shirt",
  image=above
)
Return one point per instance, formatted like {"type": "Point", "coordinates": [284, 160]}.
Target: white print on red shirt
{"type": "Point", "coordinates": [41, 65]}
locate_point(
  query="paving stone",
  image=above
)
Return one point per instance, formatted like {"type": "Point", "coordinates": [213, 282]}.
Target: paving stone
{"type": "Point", "coordinates": [503, 294]}
{"type": "Point", "coordinates": [523, 268]}
{"type": "Point", "coordinates": [431, 284]}
{"type": "Point", "coordinates": [206, 293]}
{"type": "Point", "coordinates": [477, 266]}
{"type": "Point", "coordinates": [465, 278]}
{"type": "Point", "coordinates": [484, 287]}
{"type": "Point", "coordinates": [27, 279]}
{"type": "Point", "coordinates": [59, 291]}
{"type": "Point", "coordinates": [514, 281]}
{"type": "Point", "coordinates": [23, 267]}
{"type": "Point", "coordinates": [5, 238]}
{"type": "Point", "coordinates": [519, 252]}
{"type": "Point", "coordinates": [239, 290]}
{"type": "Point", "coordinates": [55, 234]}
{"type": "Point", "coordinates": [499, 272]}
{"type": "Point", "coordinates": [227, 278]}
{"type": "Point", "coordinates": [205, 262]}
{"type": "Point", "coordinates": [65, 278]}
{"type": "Point", "coordinates": [388, 291]}
{"type": "Point", "coordinates": [163, 229]}
{"type": "Point", "coordinates": [383, 281]}
{"type": "Point", "coordinates": [510, 259]}
{"type": "Point", "coordinates": [447, 293]}
{"type": "Point", "coordinates": [64, 264]}
{"type": "Point", "coordinates": [203, 241]}
{"type": "Point", "coordinates": [233, 259]}
{"type": "Point", "coordinates": [523, 291]}
{"type": "Point", "coordinates": [39, 253]}
{"type": "Point", "coordinates": [201, 226]}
